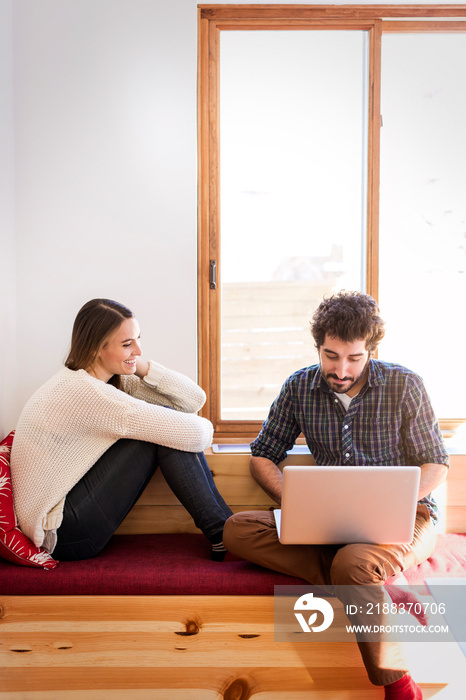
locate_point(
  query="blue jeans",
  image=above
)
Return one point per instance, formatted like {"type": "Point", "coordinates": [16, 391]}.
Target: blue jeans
{"type": "Point", "coordinates": [97, 504]}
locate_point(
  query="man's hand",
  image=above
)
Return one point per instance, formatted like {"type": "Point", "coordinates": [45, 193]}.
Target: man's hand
{"type": "Point", "coordinates": [268, 476]}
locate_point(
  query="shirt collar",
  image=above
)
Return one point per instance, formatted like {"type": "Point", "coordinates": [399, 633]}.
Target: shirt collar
{"type": "Point", "coordinates": [376, 375]}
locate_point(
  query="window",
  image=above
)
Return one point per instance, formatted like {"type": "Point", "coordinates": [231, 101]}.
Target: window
{"type": "Point", "coordinates": [423, 210]}
{"type": "Point", "coordinates": [290, 152]}
{"type": "Point", "coordinates": [283, 164]}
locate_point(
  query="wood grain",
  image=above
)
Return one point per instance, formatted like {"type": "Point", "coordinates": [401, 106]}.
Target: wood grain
{"type": "Point", "coordinates": [75, 644]}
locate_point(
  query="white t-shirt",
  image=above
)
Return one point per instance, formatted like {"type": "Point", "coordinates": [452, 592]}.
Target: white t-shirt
{"type": "Point", "coordinates": [345, 400]}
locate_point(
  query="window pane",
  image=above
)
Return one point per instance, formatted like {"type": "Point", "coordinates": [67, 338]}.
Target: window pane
{"type": "Point", "coordinates": [423, 211]}
{"type": "Point", "coordinates": [293, 114]}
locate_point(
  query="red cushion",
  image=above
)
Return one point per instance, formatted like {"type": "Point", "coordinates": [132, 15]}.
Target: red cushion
{"type": "Point", "coordinates": [14, 545]}
{"type": "Point", "coordinates": [448, 560]}
{"type": "Point", "coordinates": [172, 564]}
{"type": "Point", "coordinates": [180, 565]}
{"type": "Point", "coordinates": [7, 513]}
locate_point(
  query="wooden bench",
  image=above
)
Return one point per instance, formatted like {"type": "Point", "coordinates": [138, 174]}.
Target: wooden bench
{"type": "Point", "coordinates": [184, 646]}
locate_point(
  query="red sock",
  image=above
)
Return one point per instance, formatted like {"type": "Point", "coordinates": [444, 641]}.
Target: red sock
{"type": "Point", "coordinates": [404, 689]}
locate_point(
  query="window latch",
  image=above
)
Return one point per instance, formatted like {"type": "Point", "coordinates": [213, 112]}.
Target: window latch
{"type": "Point", "coordinates": [213, 274]}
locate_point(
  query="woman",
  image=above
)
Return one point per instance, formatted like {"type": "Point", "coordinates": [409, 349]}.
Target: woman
{"type": "Point", "coordinates": [89, 440]}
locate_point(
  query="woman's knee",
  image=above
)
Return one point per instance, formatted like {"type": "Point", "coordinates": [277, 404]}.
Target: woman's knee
{"type": "Point", "coordinates": [131, 453]}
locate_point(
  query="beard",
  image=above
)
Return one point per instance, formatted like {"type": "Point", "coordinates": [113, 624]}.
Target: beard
{"type": "Point", "coordinates": [346, 383]}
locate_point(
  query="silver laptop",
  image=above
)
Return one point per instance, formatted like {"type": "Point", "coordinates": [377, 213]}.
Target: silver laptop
{"type": "Point", "coordinates": [342, 505]}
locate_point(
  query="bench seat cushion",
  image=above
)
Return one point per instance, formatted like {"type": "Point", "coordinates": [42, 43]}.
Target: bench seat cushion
{"type": "Point", "coordinates": [179, 564]}
{"type": "Point", "coordinates": [448, 559]}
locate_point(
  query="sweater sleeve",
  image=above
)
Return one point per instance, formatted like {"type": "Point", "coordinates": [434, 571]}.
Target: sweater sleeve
{"type": "Point", "coordinates": [166, 387]}
{"type": "Point", "coordinates": [121, 415]}
{"type": "Point", "coordinates": [181, 431]}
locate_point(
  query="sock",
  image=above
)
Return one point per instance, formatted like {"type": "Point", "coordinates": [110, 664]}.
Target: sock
{"type": "Point", "coordinates": [403, 689]}
{"type": "Point", "coordinates": [218, 548]}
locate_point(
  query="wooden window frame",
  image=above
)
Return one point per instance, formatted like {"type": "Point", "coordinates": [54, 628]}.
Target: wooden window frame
{"type": "Point", "coordinates": [212, 19]}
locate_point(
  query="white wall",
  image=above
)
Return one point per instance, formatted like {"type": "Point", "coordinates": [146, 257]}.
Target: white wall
{"type": "Point", "coordinates": [105, 174]}
{"type": "Point", "coordinates": [99, 100]}
{"type": "Point", "coordinates": [7, 242]}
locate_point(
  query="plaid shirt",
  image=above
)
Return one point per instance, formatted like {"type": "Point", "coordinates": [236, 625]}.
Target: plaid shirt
{"type": "Point", "coordinates": [390, 422]}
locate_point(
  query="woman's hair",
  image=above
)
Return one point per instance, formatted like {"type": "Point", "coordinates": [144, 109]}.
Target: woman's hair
{"type": "Point", "coordinates": [348, 316]}
{"type": "Point", "coordinates": [95, 322]}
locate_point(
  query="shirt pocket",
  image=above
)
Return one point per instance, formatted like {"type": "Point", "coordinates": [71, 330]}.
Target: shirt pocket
{"type": "Point", "coordinates": [377, 442]}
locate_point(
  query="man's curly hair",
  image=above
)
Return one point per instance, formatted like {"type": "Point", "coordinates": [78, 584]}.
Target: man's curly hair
{"type": "Point", "coordinates": [348, 316]}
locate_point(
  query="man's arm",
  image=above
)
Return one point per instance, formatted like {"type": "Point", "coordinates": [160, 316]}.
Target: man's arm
{"type": "Point", "coordinates": [423, 441]}
{"type": "Point", "coordinates": [432, 475]}
{"type": "Point", "coordinates": [268, 476]}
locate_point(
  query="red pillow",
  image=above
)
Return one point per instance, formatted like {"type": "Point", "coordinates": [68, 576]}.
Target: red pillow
{"type": "Point", "coordinates": [14, 545]}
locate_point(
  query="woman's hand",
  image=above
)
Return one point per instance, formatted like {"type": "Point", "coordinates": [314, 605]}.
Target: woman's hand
{"type": "Point", "coordinates": [142, 367]}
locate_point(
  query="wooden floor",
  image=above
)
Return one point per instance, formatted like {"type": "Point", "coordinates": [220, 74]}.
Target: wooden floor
{"type": "Point", "coordinates": [184, 648]}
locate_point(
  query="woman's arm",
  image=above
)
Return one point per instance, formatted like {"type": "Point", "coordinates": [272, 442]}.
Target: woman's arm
{"type": "Point", "coordinates": [118, 414]}
{"type": "Point", "coordinates": [142, 367]}
{"type": "Point", "coordinates": [157, 384]}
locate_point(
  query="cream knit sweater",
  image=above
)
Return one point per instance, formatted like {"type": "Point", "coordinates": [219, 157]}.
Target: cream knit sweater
{"type": "Point", "coordinates": [74, 418]}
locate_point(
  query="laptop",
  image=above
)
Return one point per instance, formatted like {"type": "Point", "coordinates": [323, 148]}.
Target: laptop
{"type": "Point", "coordinates": [342, 505]}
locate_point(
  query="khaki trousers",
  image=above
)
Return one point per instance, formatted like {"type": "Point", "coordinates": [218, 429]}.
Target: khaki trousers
{"type": "Point", "coordinates": [252, 535]}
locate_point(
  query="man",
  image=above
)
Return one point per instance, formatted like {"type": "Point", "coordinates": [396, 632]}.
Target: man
{"type": "Point", "coordinates": [352, 410]}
